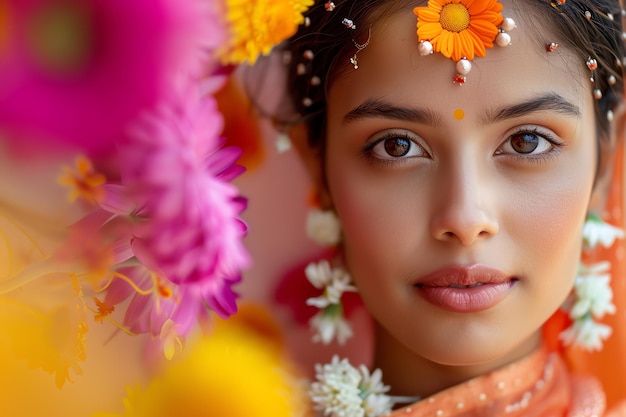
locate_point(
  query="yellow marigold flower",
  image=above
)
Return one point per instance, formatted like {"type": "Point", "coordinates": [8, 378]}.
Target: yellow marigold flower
{"type": "Point", "coordinates": [257, 26]}
{"type": "Point", "coordinates": [459, 28]}
{"type": "Point", "coordinates": [84, 181]}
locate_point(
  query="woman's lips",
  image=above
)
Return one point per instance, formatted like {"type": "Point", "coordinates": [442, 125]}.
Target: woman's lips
{"type": "Point", "coordinates": [465, 289]}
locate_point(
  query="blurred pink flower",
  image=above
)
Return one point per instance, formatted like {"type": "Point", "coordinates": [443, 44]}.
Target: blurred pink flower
{"type": "Point", "coordinates": [185, 305]}
{"type": "Point", "coordinates": [174, 165]}
{"type": "Point", "coordinates": [78, 71]}
{"type": "Point", "coordinates": [184, 226]}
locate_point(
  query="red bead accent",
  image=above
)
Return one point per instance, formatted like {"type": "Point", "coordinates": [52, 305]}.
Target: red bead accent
{"type": "Point", "coordinates": [551, 47]}
{"type": "Point", "coordinates": [459, 79]}
{"type": "Point", "coordinates": [592, 64]}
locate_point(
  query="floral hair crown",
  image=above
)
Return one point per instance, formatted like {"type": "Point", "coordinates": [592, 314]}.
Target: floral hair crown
{"type": "Point", "coordinates": [461, 30]}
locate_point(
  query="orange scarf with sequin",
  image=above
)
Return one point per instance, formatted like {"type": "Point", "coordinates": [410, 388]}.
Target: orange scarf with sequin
{"type": "Point", "coordinates": [537, 386]}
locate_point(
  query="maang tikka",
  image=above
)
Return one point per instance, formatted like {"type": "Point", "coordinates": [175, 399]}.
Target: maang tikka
{"type": "Point", "coordinates": [461, 30]}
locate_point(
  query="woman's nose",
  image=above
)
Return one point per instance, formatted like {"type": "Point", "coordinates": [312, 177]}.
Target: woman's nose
{"type": "Point", "coordinates": [465, 209]}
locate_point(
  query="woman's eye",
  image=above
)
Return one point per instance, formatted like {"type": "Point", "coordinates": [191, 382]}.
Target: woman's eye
{"type": "Point", "coordinates": [396, 147]}
{"type": "Point", "coordinates": [526, 143]}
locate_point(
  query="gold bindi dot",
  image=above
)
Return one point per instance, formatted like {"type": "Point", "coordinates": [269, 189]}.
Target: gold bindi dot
{"type": "Point", "coordinates": [458, 114]}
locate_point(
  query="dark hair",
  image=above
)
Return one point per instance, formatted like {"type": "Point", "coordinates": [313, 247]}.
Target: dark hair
{"type": "Point", "coordinates": [323, 45]}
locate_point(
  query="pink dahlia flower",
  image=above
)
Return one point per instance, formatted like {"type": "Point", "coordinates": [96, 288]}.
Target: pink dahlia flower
{"type": "Point", "coordinates": [186, 225]}
{"type": "Point", "coordinates": [78, 71]}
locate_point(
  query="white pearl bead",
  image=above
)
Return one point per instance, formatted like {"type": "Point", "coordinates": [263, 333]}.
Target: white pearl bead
{"type": "Point", "coordinates": [503, 39]}
{"type": "Point", "coordinates": [508, 24]}
{"type": "Point", "coordinates": [425, 48]}
{"type": "Point", "coordinates": [597, 94]}
{"type": "Point", "coordinates": [463, 67]}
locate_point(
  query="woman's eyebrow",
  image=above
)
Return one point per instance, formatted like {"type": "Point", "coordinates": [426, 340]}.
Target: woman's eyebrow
{"type": "Point", "coordinates": [550, 102]}
{"type": "Point", "coordinates": [378, 108]}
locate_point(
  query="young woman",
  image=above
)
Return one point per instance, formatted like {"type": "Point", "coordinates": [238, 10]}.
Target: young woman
{"type": "Point", "coordinates": [462, 144]}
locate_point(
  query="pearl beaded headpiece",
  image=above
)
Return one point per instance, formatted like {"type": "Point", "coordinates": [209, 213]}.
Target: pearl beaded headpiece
{"type": "Point", "coordinates": [461, 30]}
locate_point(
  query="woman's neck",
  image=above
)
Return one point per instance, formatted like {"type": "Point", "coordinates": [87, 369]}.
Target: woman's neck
{"type": "Point", "coordinates": [409, 374]}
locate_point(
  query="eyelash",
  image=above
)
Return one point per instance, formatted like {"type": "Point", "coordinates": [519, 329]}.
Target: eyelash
{"type": "Point", "coordinates": [368, 150]}
{"type": "Point", "coordinates": [530, 158]}
{"type": "Point", "coordinates": [368, 153]}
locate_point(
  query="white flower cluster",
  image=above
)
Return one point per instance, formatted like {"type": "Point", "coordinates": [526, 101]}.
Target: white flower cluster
{"type": "Point", "coordinates": [329, 323]}
{"type": "Point", "coordinates": [323, 227]}
{"type": "Point", "coordinates": [342, 390]}
{"type": "Point", "coordinates": [592, 298]}
{"type": "Point", "coordinates": [595, 232]}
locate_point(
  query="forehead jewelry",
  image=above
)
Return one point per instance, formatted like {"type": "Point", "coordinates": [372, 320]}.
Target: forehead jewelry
{"type": "Point", "coordinates": [592, 64]}
{"type": "Point", "coordinates": [461, 30]}
{"type": "Point", "coordinates": [359, 47]}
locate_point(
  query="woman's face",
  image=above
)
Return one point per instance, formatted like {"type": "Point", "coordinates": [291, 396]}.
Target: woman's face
{"type": "Point", "coordinates": [462, 206]}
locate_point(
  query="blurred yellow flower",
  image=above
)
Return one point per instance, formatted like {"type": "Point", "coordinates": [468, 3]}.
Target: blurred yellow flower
{"type": "Point", "coordinates": [237, 371]}
{"type": "Point", "coordinates": [259, 25]}
{"type": "Point", "coordinates": [52, 338]}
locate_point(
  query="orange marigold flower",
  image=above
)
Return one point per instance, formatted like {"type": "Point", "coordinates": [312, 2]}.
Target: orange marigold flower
{"type": "Point", "coordinates": [257, 26]}
{"type": "Point", "coordinates": [459, 28]}
{"type": "Point", "coordinates": [84, 181]}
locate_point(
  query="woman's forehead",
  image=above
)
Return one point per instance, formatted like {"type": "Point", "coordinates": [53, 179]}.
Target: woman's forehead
{"type": "Point", "coordinates": [391, 65]}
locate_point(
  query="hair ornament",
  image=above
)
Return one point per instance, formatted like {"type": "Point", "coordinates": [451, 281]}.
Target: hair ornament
{"type": "Point", "coordinates": [330, 6]}
{"type": "Point", "coordinates": [359, 47]}
{"type": "Point", "coordinates": [461, 30]}
{"type": "Point", "coordinates": [551, 47]}
{"type": "Point", "coordinates": [348, 23]}
{"type": "Point", "coordinates": [592, 64]}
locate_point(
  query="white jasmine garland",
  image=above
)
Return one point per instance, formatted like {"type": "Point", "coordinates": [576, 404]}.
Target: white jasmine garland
{"type": "Point", "coordinates": [593, 299]}
{"type": "Point", "coordinates": [342, 390]}
{"type": "Point", "coordinates": [593, 292]}
{"type": "Point", "coordinates": [333, 290]}
{"type": "Point", "coordinates": [586, 333]}
{"type": "Point", "coordinates": [323, 227]}
{"type": "Point", "coordinates": [596, 231]}
{"type": "Point", "coordinates": [329, 323]}
{"type": "Point", "coordinates": [320, 273]}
